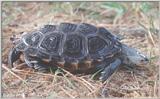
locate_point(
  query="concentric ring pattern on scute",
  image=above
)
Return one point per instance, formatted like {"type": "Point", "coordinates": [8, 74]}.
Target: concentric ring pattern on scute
{"type": "Point", "coordinates": [72, 41]}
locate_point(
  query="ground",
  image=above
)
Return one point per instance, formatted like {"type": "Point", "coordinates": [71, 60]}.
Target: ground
{"type": "Point", "coordinates": [136, 23]}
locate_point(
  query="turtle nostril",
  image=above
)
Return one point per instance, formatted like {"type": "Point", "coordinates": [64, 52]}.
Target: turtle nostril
{"type": "Point", "coordinates": [142, 60]}
{"type": "Point", "coordinates": [146, 59]}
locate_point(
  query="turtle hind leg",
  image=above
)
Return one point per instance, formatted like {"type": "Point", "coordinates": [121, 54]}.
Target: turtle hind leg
{"type": "Point", "coordinates": [38, 64]}
{"type": "Point", "coordinates": [110, 69]}
{"type": "Point", "coordinates": [43, 67]}
{"type": "Point", "coordinates": [13, 56]}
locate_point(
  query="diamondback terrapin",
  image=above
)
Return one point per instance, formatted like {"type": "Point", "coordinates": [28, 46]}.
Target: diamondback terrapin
{"type": "Point", "coordinates": [78, 48]}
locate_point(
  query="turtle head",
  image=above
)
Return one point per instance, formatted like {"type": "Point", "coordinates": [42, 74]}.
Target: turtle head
{"type": "Point", "coordinates": [132, 56]}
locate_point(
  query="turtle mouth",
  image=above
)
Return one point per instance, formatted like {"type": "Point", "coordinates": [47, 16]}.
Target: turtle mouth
{"type": "Point", "coordinates": [143, 62]}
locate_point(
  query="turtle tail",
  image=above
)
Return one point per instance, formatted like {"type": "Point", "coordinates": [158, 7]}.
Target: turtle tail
{"type": "Point", "coordinates": [13, 56]}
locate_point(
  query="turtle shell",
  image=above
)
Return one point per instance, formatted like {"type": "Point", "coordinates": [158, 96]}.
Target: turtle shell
{"type": "Point", "coordinates": [70, 44]}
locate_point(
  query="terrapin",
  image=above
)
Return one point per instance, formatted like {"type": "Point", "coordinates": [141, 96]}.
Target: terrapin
{"type": "Point", "coordinates": [78, 48]}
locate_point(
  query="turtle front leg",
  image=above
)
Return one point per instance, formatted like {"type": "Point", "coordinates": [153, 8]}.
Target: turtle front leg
{"type": "Point", "coordinates": [110, 69]}
{"type": "Point", "coordinates": [13, 56]}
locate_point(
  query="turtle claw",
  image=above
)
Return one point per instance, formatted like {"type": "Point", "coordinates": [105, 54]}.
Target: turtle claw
{"type": "Point", "coordinates": [43, 70]}
{"type": "Point", "coordinates": [41, 67]}
{"type": "Point", "coordinates": [104, 93]}
{"type": "Point", "coordinates": [101, 78]}
{"type": "Point", "coordinates": [13, 56]}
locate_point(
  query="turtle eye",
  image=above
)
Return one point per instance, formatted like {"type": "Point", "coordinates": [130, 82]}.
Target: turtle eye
{"type": "Point", "coordinates": [143, 57]}
{"type": "Point", "coordinates": [142, 60]}
{"type": "Point", "coordinates": [145, 60]}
